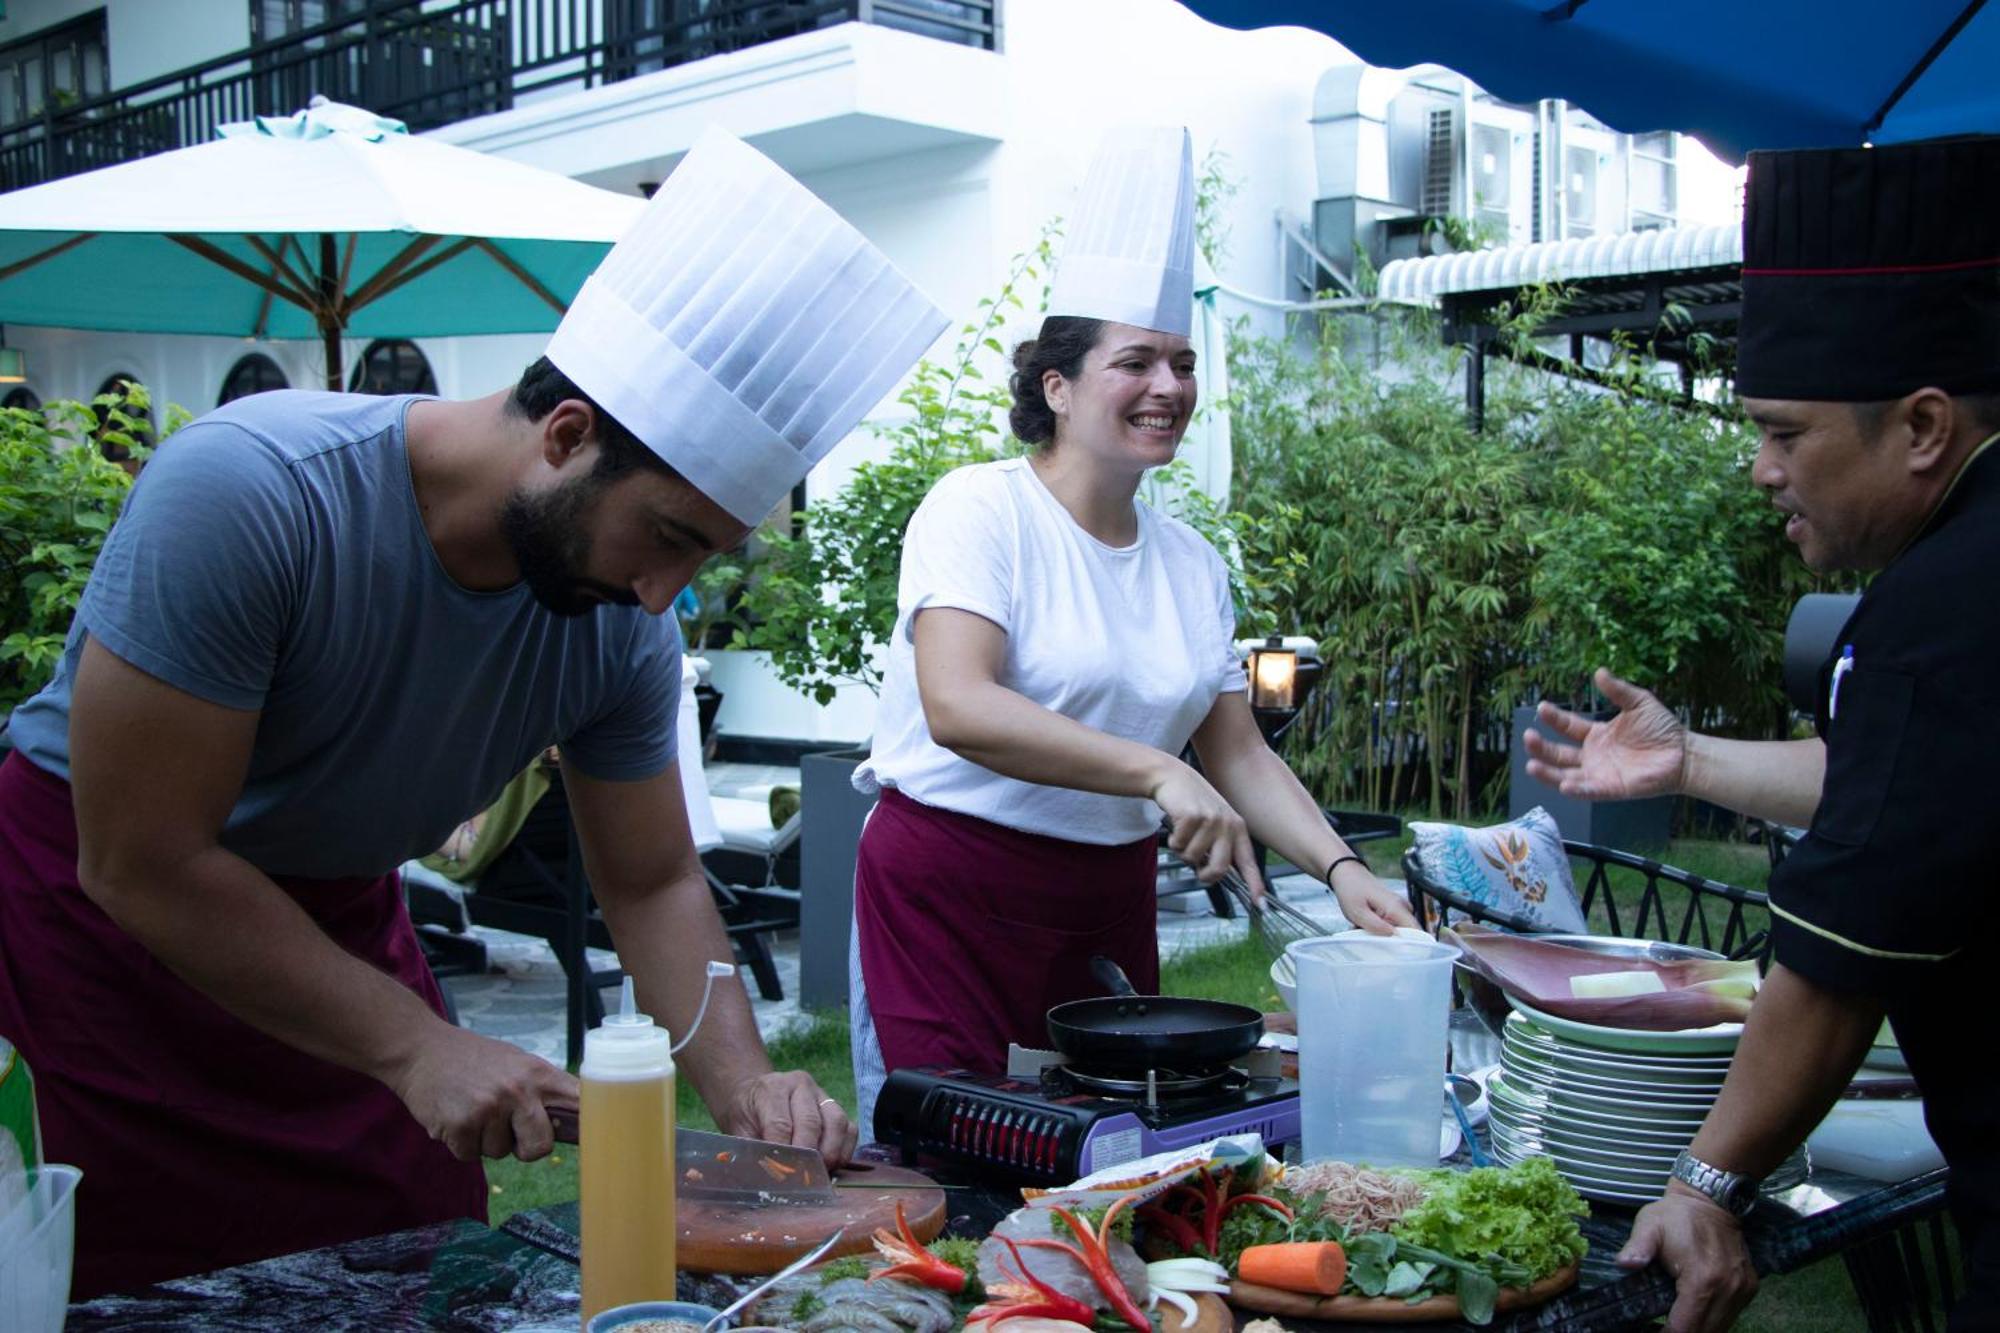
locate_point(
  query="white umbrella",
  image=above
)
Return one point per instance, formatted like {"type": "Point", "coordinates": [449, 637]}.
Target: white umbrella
{"type": "Point", "coordinates": [330, 222]}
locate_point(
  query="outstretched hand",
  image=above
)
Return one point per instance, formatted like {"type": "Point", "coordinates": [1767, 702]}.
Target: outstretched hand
{"type": "Point", "coordinates": [1641, 752]}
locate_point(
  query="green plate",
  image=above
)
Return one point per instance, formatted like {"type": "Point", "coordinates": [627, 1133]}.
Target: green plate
{"type": "Point", "coordinates": [1718, 1040]}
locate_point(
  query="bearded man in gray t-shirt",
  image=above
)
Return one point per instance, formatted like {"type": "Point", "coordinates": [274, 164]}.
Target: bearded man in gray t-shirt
{"type": "Point", "coordinates": [327, 629]}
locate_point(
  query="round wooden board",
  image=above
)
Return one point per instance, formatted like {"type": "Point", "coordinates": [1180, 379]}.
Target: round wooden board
{"type": "Point", "coordinates": [1211, 1316]}
{"type": "Point", "coordinates": [718, 1237]}
{"type": "Point", "coordinates": [1386, 1309]}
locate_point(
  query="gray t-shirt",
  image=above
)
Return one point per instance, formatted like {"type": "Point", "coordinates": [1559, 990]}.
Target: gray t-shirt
{"type": "Point", "coordinates": [272, 557]}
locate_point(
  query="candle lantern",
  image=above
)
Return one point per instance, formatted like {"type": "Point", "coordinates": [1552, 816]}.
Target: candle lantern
{"type": "Point", "coordinates": [1273, 674]}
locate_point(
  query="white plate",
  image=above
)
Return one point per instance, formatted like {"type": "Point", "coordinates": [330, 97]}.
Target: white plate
{"type": "Point", "coordinates": [1622, 1108]}
{"type": "Point", "coordinates": [1588, 1187]}
{"type": "Point", "coordinates": [1651, 1071]}
{"type": "Point", "coordinates": [1599, 1137]}
{"type": "Point", "coordinates": [1668, 1103]}
{"type": "Point", "coordinates": [1616, 1116]}
{"type": "Point", "coordinates": [1717, 1040]}
{"type": "Point", "coordinates": [1664, 1095]}
{"type": "Point", "coordinates": [1588, 1137]}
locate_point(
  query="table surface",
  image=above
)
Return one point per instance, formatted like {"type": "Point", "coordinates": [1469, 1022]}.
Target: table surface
{"type": "Point", "coordinates": [469, 1278]}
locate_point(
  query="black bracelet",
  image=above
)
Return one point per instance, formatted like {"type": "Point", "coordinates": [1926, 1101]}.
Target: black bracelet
{"type": "Point", "coordinates": [1340, 861]}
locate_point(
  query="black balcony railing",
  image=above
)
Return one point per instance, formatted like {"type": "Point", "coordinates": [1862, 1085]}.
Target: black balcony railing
{"type": "Point", "coordinates": [430, 64]}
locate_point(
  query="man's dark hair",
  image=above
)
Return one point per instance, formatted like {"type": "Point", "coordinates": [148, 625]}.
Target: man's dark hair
{"type": "Point", "coordinates": [542, 388]}
{"type": "Point", "coordinates": [1063, 343]}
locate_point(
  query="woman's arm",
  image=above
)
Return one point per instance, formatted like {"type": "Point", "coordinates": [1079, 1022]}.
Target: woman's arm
{"type": "Point", "coordinates": [959, 657]}
{"type": "Point", "coordinates": [1283, 814]}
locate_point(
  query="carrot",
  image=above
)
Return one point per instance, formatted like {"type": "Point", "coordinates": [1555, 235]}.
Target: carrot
{"type": "Point", "coordinates": [1318, 1266]}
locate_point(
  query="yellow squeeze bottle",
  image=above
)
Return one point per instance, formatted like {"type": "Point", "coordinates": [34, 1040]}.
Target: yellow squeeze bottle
{"type": "Point", "coordinates": [627, 1160]}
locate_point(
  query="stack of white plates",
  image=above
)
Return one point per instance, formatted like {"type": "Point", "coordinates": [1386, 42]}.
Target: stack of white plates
{"type": "Point", "coordinates": [1612, 1106]}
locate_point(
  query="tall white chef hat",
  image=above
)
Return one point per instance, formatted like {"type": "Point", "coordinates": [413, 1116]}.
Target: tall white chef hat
{"type": "Point", "coordinates": [741, 329]}
{"type": "Point", "coordinates": [1128, 249]}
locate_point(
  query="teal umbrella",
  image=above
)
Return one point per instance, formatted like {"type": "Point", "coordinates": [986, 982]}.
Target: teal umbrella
{"type": "Point", "coordinates": [330, 223]}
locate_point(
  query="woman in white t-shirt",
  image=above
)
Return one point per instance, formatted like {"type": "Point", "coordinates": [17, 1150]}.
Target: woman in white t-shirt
{"type": "Point", "coordinates": [1058, 644]}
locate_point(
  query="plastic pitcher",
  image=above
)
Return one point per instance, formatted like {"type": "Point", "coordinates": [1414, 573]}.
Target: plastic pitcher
{"type": "Point", "coordinates": [37, 1242]}
{"type": "Point", "coordinates": [1372, 1036]}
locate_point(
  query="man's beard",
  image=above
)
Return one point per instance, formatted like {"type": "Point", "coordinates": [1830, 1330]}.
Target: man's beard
{"type": "Point", "coordinates": [549, 536]}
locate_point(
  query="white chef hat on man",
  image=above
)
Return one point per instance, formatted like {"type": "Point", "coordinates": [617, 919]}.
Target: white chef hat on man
{"type": "Point", "coordinates": [1128, 247]}
{"type": "Point", "coordinates": [741, 329]}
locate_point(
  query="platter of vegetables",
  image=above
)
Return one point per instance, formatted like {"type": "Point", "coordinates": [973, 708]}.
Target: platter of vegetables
{"type": "Point", "coordinates": [1324, 1241]}
{"type": "Point", "coordinates": [1336, 1241]}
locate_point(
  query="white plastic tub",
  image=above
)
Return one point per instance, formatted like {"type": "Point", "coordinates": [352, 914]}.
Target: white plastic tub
{"type": "Point", "coordinates": [37, 1242]}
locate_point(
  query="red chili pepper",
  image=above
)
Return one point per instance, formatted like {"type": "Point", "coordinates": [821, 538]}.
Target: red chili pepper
{"type": "Point", "coordinates": [1093, 1251]}
{"type": "Point", "coordinates": [909, 1259]}
{"type": "Point", "coordinates": [1026, 1296]}
{"type": "Point", "coordinates": [1211, 1212]}
{"type": "Point", "coordinates": [1277, 1206]}
{"type": "Point", "coordinates": [1177, 1229]}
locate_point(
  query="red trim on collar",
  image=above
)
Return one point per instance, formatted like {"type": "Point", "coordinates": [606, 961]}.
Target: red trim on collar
{"type": "Point", "coordinates": [1866, 272]}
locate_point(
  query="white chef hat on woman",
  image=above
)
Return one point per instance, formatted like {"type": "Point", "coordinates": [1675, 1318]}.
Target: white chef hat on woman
{"type": "Point", "coordinates": [1128, 247]}
{"type": "Point", "coordinates": [741, 329]}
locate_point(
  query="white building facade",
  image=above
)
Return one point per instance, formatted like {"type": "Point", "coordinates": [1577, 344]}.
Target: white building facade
{"type": "Point", "coordinates": [948, 131]}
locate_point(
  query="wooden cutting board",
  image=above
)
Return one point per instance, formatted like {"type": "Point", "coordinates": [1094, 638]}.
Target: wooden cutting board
{"type": "Point", "coordinates": [1383, 1309]}
{"type": "Point", "coordinates": [719, 1237]}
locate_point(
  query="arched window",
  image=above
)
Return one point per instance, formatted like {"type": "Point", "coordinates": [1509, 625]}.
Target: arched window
{"type": "Point", "coordinates": [393, 365]}
{"type": "Point", "coordinates": [22, 397]}
{"type": "Point", "coordinates": [254, 373]}
{"type": "Point", "coordinates": [143, 431]}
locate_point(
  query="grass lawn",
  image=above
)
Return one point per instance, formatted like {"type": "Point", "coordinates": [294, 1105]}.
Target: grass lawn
{"type": "Point", "coordinates": [1817, 1299]}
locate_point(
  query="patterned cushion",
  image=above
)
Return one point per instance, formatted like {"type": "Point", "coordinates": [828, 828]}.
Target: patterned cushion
{"type": "Point", "coordinates": [1517, 867]}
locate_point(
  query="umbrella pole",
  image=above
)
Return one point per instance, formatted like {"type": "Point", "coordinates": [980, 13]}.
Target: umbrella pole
{"type": "Point", "coordinates": [329, 320]}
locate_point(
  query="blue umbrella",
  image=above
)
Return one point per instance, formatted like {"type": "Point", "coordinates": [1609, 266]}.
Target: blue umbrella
{"type": "Point", "coordinates": [1737, 74]}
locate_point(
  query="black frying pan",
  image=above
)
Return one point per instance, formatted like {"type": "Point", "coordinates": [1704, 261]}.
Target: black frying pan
{"type": "Point", "coordinates": [1132, 1031]}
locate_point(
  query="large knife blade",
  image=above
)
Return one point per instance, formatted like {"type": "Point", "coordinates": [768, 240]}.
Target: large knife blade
{"type": "Point", "coordinates": [750, 1171]}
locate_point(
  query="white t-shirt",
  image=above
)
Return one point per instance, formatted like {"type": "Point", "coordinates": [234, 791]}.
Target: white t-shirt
{"type": "Point", "coordinates": [1134, 641]}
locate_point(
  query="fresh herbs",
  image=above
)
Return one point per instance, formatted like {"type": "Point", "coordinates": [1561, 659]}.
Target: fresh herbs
{"type": "Point", "coordinates": [853, 1266]}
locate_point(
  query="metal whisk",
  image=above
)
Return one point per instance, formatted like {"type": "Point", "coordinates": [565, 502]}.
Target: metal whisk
{"type": "Point", "coordinates": [1275, 923]}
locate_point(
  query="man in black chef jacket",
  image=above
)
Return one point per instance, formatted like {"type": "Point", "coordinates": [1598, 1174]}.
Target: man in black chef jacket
{"type": "Point", "coordinates": [1869, 359]}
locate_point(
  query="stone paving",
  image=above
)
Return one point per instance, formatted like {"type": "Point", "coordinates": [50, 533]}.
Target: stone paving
{"type": "Point", "coordinates": [520, 999]}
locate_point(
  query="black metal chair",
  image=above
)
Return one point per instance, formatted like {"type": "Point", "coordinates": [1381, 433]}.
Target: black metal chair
{"type": "Point", "coordinates": [537, 886]}
{"type": "Point", "coordinates": [1699, 911]}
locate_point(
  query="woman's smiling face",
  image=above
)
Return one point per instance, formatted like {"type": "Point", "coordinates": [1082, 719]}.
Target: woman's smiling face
{"type": "Point", "coordinates": [1131, 400]}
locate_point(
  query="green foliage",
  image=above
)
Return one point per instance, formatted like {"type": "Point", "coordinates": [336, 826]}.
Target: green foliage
{"type": "Point", "coordinates": [717, 586]}
{"type": "Point", "coordinates": [1450, 574]}
{"type": "Point", "coordinates": [58, 499]}
{"type": "Point", "coordinates": [825, 594]}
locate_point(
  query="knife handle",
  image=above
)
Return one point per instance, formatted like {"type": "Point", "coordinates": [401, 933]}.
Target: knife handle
{"type": "Point", "coordinates": [562, 1119]}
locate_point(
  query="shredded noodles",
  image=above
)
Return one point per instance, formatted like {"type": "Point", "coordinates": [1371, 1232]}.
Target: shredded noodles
{"type": "Point", "coordinates": [1358, 1198]}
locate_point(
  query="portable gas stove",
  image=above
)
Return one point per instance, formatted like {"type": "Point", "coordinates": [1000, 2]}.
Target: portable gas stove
{"type": "Point", "coordinates": [1045, 1122]}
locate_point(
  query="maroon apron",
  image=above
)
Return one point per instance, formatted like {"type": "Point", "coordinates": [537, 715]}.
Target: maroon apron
{"type": "Point", "coordinates": [203, 1142]}
{"type": "Point", "coordinates": [970, 932]}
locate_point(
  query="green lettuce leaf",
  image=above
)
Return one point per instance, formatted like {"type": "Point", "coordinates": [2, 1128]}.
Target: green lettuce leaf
{"type": "Point", "coordinates": [1521, 1218]}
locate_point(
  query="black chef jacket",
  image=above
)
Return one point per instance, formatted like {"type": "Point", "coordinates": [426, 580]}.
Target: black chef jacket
{"type": "Point", "coordinates": [1890, 892]}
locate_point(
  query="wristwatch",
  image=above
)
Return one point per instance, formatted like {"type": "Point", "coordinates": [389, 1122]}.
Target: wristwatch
{"type": "Point", "coordinates": [1731, 1189]}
